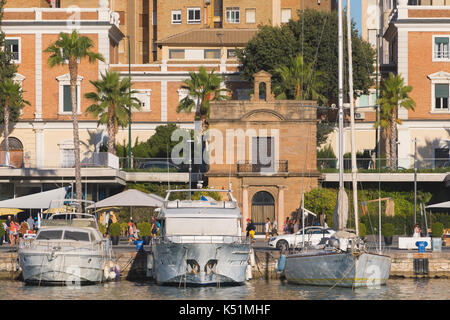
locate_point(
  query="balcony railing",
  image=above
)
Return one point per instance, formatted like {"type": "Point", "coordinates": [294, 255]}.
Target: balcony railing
{"type": "Point", "coordinates": [431, 165]}
{"type": "Point", "coordinates": [249, 167]}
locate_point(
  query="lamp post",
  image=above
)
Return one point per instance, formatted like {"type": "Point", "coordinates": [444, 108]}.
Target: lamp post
{"type": "Point", "coordinates": [415, 180]}
{"type": "Point", "coordinates": [190, 166]}
{"type": "Point", "coordinates": [377, 147]}
{"type": "Point", "coordinates": [129, 108]}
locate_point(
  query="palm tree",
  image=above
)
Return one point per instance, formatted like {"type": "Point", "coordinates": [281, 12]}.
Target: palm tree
{"type": "Point", "coordinates": [302, 79]}
{"type": "Point", "coordinates": [202, 87]}
{"type": "Point", "coordinates": [112, 103]}
{"type": "Point", "coordinates": [71, 48]}
{"type": "Point", "coordinates": [394, 94]}
{"type": "Point", "coordinates": [12, 100]}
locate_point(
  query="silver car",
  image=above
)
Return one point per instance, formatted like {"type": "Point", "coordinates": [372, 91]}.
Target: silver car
{"type": "Point", "coordinates": [313, 236]}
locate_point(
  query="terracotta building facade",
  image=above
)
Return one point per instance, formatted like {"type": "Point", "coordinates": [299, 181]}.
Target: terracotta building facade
{"type": "Point", "coordinates": [267, 153]}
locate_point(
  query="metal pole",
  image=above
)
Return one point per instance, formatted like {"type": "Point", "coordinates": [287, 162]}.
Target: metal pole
{"type": "Point", "coordinates": [129, 109]}
{"type": "Point", "coordinates": [415, 180]}
{"type": "Point", "coordinates": [352, 118]}
{"type": "Point", "coordinates": [190, 167]}
{"type": "Point", "coordinates": [341, 97]}
{"type": "Point", "coordinates": [377, 147]}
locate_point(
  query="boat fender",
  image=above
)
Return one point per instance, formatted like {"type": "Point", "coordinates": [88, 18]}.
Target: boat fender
{"type": "Point", "coordinates": [112, 275]}
{"type": "Point", "coordinates": [106, 272]}
{"type": "Point", "coordinates": [281, 263]}
{"type": "Point", "coordinates": [248, 272]}
{"type": "Point", "coordinates": [117, 271]}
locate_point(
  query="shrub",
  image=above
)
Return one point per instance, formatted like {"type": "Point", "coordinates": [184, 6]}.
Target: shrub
{"type": "Point", "coordinates": [437, 229]}
{"type": "Point", "coordinates": [362, 230]}
{"type": "Point", "coordinates": [145, 229]}
{"type": "Point", "coordinates": [114, 230]}
{"type": "Point", "coordinates": [102, 229]}
{"type": "Point", "coordinates": [388, 230]}
{"type": "Point", "coordinates": [123, 228]}
{"type": "Point", "coordinates": [2, 230]}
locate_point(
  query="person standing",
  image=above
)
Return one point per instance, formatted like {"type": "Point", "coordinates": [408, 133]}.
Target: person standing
{"type": "Point", "coordinates": [275, 228]}
{"type": "Point", "coordinates": [130, 231]}
{"type": "Point", "coordinates": [267, 228]}
{"type": "Point", "coordinates": [8, 225]}
{"type": "Point", "coordinates": [30, 222]}
{"type": "Point", "coordinates": [416, 231]}
{"type": "Point", "coordinates": [250, 230]}
{"type": "Point", "coordinates": [154, 228]}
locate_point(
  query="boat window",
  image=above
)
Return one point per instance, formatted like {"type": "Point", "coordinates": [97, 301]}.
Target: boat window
{"type": "Point", "coordinates": [76, 235]}
{"type": "Point", "coordinates": [50, 235]}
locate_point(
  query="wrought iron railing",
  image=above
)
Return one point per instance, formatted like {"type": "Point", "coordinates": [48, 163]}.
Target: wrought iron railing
{"type": "Point", "coordinates": [201, 239]}
{"type": "Point", "coordinates": [250, 167]}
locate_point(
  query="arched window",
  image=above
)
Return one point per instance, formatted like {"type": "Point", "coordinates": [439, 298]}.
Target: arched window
{"type": "Point", "coordinates": [15, 158]}
{"type": "Point", "coordinates": [262, 91]}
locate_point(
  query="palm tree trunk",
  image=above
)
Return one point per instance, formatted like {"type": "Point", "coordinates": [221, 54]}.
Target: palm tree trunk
{"type": "Point", "coordinates": [111, 131]}
{"type": "Point", "coordinates": [394, 140]}
{"type": "Point", "coordinates": [73, 70]}
{"type": "Point", "coordinates": [386, 136]}
{"type": "Point", "coordinates": [6, 123]}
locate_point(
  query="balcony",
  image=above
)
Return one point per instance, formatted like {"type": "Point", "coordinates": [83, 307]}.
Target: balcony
{"type": "Point", "coordinates": [246, 167]}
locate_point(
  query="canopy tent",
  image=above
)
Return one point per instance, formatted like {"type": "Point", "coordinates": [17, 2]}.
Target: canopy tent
{"type": "Point", "coordinates": [442, 205]}
{"type": "Point", "coordinates": [130, 198]}
{"type": "Point", "coordinates": [40, 200]}
{"type": "Point", "coordinates": [9, 211]}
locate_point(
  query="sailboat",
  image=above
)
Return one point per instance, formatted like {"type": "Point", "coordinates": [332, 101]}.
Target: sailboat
{"type": "Point", "coordinates": [343, 261]}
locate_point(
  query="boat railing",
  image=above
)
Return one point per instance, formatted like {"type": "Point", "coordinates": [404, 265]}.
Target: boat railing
{"type": "Point", "coordinates": [202, 239]}
{"type": "Point", "coordinates": [61, 245]}
{"type": "Point", "coordinates": [80, 223]}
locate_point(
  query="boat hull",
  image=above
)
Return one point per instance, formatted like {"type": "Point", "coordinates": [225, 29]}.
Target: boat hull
{"type": "Point", "coordinates": [200, 263]}
{"type": "Point", "coordinates": [62, 268]}
{"type": "Point", "coordinates": [338, 269]}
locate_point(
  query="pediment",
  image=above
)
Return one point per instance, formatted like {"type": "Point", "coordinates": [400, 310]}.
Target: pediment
{"type": "Point", "coordinates": [441, 75]}
{"type": "Point", "coordinates": [66, 77]}
{"type": "Point", "coordinates": [262, 115]}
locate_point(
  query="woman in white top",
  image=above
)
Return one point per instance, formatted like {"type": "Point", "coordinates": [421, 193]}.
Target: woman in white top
{"type": "Point", "coordinates": [267, 228]}
{"type": "Point", "coordinates": [416, 231]}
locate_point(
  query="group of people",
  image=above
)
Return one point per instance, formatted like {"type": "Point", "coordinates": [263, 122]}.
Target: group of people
{"type": "Point", "coordinates": [269, 229]}
{"type": "Point", "coordinates": [14, 230]}
{"type": "Point", "coordinates": [133, 231]}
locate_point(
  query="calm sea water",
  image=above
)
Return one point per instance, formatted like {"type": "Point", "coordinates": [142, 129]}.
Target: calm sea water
{"type": "Point", "coordinates": [404, 289]}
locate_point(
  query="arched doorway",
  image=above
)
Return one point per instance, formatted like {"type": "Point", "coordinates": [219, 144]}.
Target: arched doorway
{"type": "Point", "coordinates": [263, 207]}
{"type": "Point", "coordinates": [15, 152]}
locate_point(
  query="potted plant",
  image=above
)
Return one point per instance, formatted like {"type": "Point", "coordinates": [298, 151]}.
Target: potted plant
{"type": "Point", "coordinates": [2, 232]}
{"type": "Point", "coordinates": [114, 232]}
{"type": "Point", "coordinates": [145, 231]}
{"type": "Point", "coordinates": [437, 229]}
{"type": "Point", "coordinates": [388, 233]}
{"type": "Point", "coordinates": [102, 229]}
{"type": "Point", "coordinates": [362, 230]}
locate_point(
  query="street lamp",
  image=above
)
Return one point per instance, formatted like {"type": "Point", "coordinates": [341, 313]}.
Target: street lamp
{"type": "Point", "coordinates": [190, 166]}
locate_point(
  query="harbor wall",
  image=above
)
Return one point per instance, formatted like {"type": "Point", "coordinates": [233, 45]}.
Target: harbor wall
{"type": "Point", "coordinates": [133, 265]}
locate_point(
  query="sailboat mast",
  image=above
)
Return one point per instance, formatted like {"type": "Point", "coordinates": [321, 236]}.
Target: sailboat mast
{"type": "Point", "coordinates": [352, 117]}
{"type": "Point", "coordinates": [341, 96]}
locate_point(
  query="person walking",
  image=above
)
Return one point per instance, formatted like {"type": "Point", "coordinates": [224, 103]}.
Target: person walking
{"type": "Point", "coordinates": [8, 225]}
{"type": "Point", "coordinates": [267, 229]}
{"type": "Point", "coordinates": [250, 230]}
{"type": "Point", "coordinates": [130, 231]}
{"type": "Point", "coordinates": [154, 228]}
{"type": "Point", "coordinates": [275, 228]}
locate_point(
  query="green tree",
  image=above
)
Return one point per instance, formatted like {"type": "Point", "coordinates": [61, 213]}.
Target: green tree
{"type": "Point", "coordinates": [394, 94]}
{"type": "Point", "coordinates": [201, 87]}
{"type": "Point", "coordinates": [71, 48]}
{"type": "Point", "coordinates": [314, 37]}
{"type": "Point", "coordinates": [300, 81]}
{"type": "Point", "coordinates": [12, 102]}
{"type": "Point", "coordinates": [11, 94]}
{"type": "Point", "coordinates": [112, 102]}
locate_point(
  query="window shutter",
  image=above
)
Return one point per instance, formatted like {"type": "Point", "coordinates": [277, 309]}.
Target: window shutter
{"type": "Point", "coordinates": [68, 99]}
{"type": "Point", "coordinates": [441, 90]}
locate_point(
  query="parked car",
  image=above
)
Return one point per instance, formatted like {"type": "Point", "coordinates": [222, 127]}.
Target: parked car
{"type": "Point", "coordinates": [313, 235]}
{"type": "Point", "coordinates": [162, 165]}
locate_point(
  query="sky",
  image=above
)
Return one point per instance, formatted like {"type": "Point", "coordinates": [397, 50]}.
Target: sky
{"type": "Point", "coordinates": [356, 12]}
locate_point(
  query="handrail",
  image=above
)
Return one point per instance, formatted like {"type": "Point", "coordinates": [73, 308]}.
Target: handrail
{"type": "Point", "coordinates": [201, 239]}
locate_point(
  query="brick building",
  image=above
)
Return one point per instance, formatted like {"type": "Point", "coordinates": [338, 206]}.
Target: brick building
{"type": "Point", "coordinates": [266, 149]}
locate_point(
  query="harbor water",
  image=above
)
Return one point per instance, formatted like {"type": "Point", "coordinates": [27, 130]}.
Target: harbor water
{"type": "Point", "coordinates": [396, 289]}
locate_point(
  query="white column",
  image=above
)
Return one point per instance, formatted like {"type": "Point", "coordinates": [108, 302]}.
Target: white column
{"type": "Point", "coordinates": [405, 156]}
{"type": "Point", "coordinates": [280, 215]}
{"type": "Point", "coordinates": [38, 76]}
{"type": "Point", "coordinates": [245, 213]}
{"type": "Point", "coordinates": [39, 136]}
{"type": "Point", "coordinates": [103, 49]}
{"type": "Point", "coordinates": [164, 100]}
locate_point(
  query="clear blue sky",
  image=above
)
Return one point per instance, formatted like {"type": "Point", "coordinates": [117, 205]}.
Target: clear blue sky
{"type": "Point", "coordinates": [356, 12]}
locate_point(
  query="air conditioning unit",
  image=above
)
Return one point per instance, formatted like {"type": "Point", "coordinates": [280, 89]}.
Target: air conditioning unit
{"type": "Point", "coordinates": [360, 115]}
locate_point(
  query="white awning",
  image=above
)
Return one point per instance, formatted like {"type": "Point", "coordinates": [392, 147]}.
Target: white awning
{"type": "Point", "coordinates": [442, 205]}
{"type": "Point", "coordinates": [130, 198]}
{"type": "Point", "coordinates": [39, 200]}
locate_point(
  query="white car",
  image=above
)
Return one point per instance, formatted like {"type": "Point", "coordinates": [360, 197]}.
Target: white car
{"type": "Point", "coordinates": [313, 235]}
